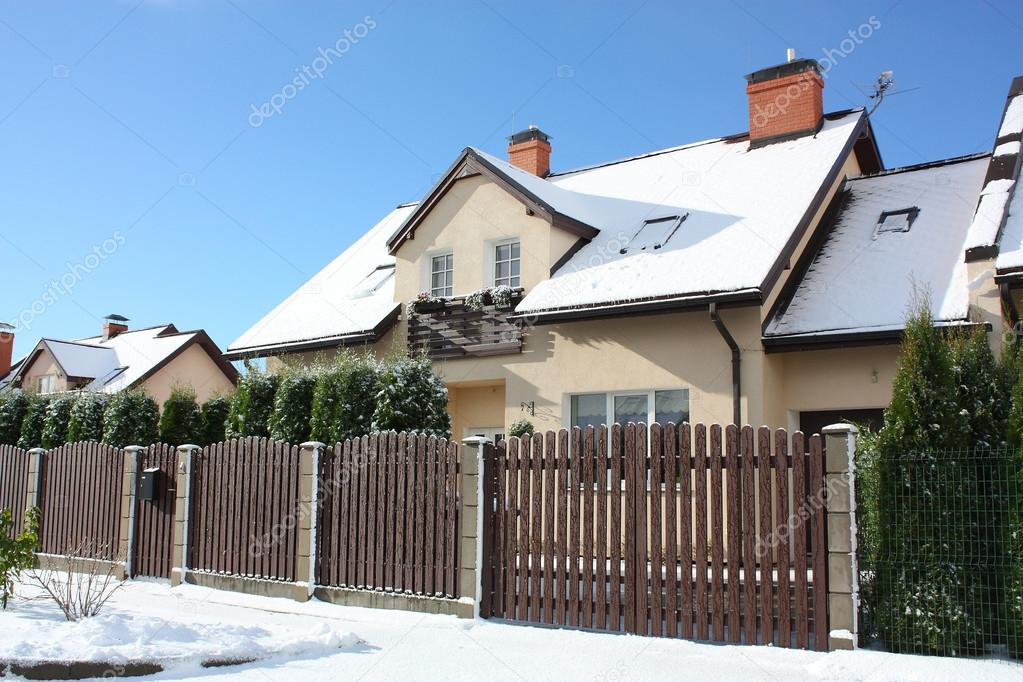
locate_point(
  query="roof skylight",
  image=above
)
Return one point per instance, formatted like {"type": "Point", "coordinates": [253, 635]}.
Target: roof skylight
{"type": "Point", "coordinates": [896, 221]}
{"type": "Point", "coordinates": [654, 233]}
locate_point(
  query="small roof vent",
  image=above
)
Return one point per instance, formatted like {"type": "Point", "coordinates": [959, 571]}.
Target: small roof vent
{"type": "Point", "coordinates": [896, 221]}
{"type": "Point", "coordinates": [654, 233]}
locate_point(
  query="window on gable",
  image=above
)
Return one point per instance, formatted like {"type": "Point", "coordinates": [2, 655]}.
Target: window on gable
{"type": "Point", "coordinates": [506, 264]}
{"type": "Point", "coordinates": [896, 221]}
{"type": "Point", "coordinates": [442, 275]}
{"type": "Point", "coordinates": [654, 233]}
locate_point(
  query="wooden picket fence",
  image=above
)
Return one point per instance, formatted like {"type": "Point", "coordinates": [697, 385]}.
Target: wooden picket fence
{"type": "Point", "coordinates": [80, 500]}
{"type": "Point", "coordinates": [387, 515]}
{"type": "Point", "coordinates": [244, 509]}
{"type": "Point", "coordinates": [153, 535]}
{"type": "Point", "coordinates": [699, 534]}
{"type": "Point", "coordinates": [14, 483]}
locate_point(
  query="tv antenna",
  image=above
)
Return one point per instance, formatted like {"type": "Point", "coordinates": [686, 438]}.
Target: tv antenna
{"type": "Point", "coordinates": [882, 87]}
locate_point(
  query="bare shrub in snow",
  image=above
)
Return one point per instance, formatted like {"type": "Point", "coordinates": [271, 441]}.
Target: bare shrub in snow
{"type": "Point", "coordinates": [78, 585]}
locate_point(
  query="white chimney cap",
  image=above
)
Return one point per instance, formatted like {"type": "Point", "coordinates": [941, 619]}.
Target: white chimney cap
{"type": "Point", "coordinates": [790, 54]}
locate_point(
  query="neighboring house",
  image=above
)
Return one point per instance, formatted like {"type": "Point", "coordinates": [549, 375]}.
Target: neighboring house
{"type": "Point", "coordinates": [155, 359]}
{"type": "Point", "coordinates": [762, 277]}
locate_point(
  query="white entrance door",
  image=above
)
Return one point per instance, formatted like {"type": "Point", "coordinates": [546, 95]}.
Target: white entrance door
{"type": "Point", "coordinates": [494, 433]}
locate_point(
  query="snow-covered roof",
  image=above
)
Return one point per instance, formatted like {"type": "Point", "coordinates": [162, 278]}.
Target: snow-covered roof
{"type": "Point", "coordinates": [864, 280]}
{"type": "Point", "coordinates": [737, 208]}
{"type": "Point", "coordinates": [118, 362]}
{"type": "Point", "coordinates": [350, 297]}
{"type": "Point", "coordinates": [1010, 256]}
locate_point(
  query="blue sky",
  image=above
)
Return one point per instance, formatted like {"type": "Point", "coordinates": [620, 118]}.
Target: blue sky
{"type": "Point", "coordinates": [140, 176]}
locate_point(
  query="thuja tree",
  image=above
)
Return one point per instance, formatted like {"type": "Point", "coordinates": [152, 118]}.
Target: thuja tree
{"type": "Point", "coordinates": [180, 419]}
{"type": "Point", "coordinates": [86, 420]}
{"type": "Point", "coordinates": [32, 423]}
{"type": "Point", "coordinates": [934, 464]}
{"type": "Point", "coordinates": [292, 407]}
{"type": "Point", "coordinates": [1014, 528]}
{"type": "Point", "coordinates": [412, 398]}
{"type": "Point", "coordinates": [252, 404]}
{"type": "Point", "coordinates": [345, 397]}
{"type": "Point", "coordinates": [58, 418]}
{"type": "Point", "coordinates": [13, 406]}
{"type": "Point", "coordinates": [213, 420]}
{"type": "Point", "coordinates": [131, 418]}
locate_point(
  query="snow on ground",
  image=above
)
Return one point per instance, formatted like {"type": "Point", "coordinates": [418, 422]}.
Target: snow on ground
{"type": "Point", "coordinates": [411, 646]}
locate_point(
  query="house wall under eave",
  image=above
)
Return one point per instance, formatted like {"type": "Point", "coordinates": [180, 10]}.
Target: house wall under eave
{"type": "Point", "coordinates": [193, 367]}
{"type": "Point", "coordinates": [43, 365]}
{"type": "Point", "coordinates": [985, 301]}
{"type": "Point", "coordinates": [380, 349]}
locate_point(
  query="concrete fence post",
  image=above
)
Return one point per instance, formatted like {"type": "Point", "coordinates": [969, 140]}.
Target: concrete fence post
{"type": "Point", "coordinates": [471, 545]}
{"type": "Point", "coordinates": [129, 481]}
{"type": "Point", "coordinates": [843, 580]}
{"type": "Point", "coordinates": [34, 489]}
{"type": "Point", "coordinates": [179, 557]}
{"type": "Point", "coordinates": [308, 483]}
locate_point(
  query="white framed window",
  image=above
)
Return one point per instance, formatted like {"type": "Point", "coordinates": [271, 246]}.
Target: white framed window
{"type": "Point", "coordinates": [647, 406]}
{"type": "Point", "coordinates": [507, 264]}
{"type": "Point", "coordinates": [47, 383]}
{"type": "Point", "coordinates": [442, 275]}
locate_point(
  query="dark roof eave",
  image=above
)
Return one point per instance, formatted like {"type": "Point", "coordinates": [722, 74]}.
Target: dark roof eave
{"type": "Point", "coordinates": [851, 339]}
{"type": "Point", "coordinates": [746, 297]}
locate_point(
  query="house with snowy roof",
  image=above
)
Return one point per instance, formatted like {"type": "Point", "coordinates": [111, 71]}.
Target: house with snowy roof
{"type": "Point", "coordinates": [155, 359]}
{"type": "Point", "coordinates": [760, 278]}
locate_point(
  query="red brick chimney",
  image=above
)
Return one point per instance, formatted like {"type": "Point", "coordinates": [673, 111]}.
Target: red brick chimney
{"type": "Point", "coordinates": [785, 101]}
{"type": "Point", "coordinates": [114, 325]}
{"type": "Point", "coordinates": [6, 348]}
{"type": "Point", "coordinates": [530, 150]}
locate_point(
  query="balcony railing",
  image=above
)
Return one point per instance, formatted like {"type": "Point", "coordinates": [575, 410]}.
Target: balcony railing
{"type": "Point", "coordinates": [451, 330]}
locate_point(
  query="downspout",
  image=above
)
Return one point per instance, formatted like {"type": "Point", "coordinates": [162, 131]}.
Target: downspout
{"type": "Point", "coordinates": [736, 364]}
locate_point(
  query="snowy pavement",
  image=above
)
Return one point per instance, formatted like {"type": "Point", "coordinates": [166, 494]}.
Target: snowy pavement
{"type": "Point", "coordinates": [319, 641]}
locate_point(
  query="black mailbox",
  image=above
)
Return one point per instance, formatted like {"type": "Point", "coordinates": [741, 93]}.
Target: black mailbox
{"type": "Point", "coordinates": [148, 483]}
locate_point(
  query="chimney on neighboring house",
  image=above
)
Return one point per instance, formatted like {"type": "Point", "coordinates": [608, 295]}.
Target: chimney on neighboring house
{"type": "Point", "coordinates": [785, 101]}
{"type": "Point", "coordinates": [113, 325]}
{"type": "Point", "coordinates": [530, 150]}
{"type": "Point", "coordinates": [6, 347]}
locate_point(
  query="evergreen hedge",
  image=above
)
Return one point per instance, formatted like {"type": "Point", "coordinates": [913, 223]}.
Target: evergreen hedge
{"type": "Point", "coordinates": [292, 407]}
{"type": "Point", "coordinates": [213, 420]}
{"type": "Point", "coordinates": [345, 398]}
{"type": "Point", "coordinates": [13, 406]}
{"type": "Point", "coordinates": [412, 398]}
{"type": "Point", "coordinates": [58, 417]}
{"type": "Point", "coordinates": [131, 418]}
{"type": "Point", "coordinates": [180, 419]}
{"type": "Point", "coordinates": [86, 420]}
{"type": "Point", "coordinates": [252, 405]}
{"type": "Point", "coordinates": [31, 435]}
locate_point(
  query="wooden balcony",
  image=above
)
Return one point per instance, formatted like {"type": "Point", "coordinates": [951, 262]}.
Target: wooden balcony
{"type": "Point", "coordinates": [454, 331]}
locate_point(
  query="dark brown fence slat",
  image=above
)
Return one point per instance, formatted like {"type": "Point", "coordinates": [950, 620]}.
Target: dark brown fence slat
{"type": "Point", "coordinates": [14, 484]}
{"type": "Point", "coordinates": [799, 587]}
{"type": "Point", "coordinates": [733, 561]}
{"type": "Point", "coordinates": [430, 493]}
{"type": "Point", "coordinates": [717, 597]}
{"type": "Point", "coordinates": [601, 540]}
{"type": "Point", "coordinates": [685, 526]}
{"type": "Point", "coordinates": [765, 552]}
{"type": "Point", "coordinates": [631, 523]}
{"type": "Point", "coordinates": [574, 523]}
{"type": "Point", "coordinates": [781, 476]}
{"type": "Point", "coordinates": [818, 546]}
{"type": "Point", "coordinates": [656, 566]}
{"type": "Point", "coordinates": [642, 554]}
{"type": "Point", "coordinates": [536, 527]}
{"type": "Point", "coordinates": [586, 598]}
{"type": "Point", "coordinates": [700, 534]}
{"type": "Point", "coordinates": [513, 584]}
{"type": "Point", "coordinates": [549, 469]}
{"type": "Point", "coordinates": [566, 580]}
{"type": "Point", "coordinates": [523, 545]}
{"type": "Point", "coordinates": [749, 535]}
{"type": "Point", "coordinates": [501, 577]}
{"type": "Point", "coordinates": [670, 531]}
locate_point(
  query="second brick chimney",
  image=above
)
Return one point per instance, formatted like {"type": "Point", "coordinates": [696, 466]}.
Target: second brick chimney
{"type": "Point", "coordinates": [785, 101]}
{"type": "Point", "coordinates": [530, 150]}
{"type": "Point", "coordinates": [6, 348]}
{"type": "Point", "coordinates": [114, 325]}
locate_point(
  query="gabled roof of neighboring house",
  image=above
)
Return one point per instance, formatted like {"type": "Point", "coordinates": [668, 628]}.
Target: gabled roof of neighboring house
{"type": "Point", "coordinates": [125, 360]}
{"type": "Point", "coordinates": [738, 216]}
{"type": "Point", "coordinates": [890, 235]}
{"type": "Point", "coordinates": [349, 301]}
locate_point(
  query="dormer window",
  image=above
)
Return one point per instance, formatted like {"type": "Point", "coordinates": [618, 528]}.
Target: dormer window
{"type": "Point", "coordinates": [654, 233]}
{"type": "Point", "coordinates": [896, 221]}
{"type": "Point", "coordinates": [442, 275]}
{"type": "Point", "coordinates": [507, 264]}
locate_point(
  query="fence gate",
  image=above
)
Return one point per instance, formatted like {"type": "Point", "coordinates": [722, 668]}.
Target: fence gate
{"type": "Point", "coordinates": [699, 534]}
{"type": "Point", "coordinates": [153, 535]}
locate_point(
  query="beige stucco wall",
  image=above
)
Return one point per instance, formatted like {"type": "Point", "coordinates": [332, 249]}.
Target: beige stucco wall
{"type": "Point", "coordinates": [43, 365]}
{"type": "Point", "coordinates": [194, 368]}
{"type": "Point", "coordinates": [985, 300]}
{"type": "Point", "coordinates": [386, 345]}
{"type": "Point", "coordinates": [476, 406]}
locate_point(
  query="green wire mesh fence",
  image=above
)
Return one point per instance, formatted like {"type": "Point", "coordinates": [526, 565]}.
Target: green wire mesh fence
{"type": "Point", "coordinates": [940, 552]}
